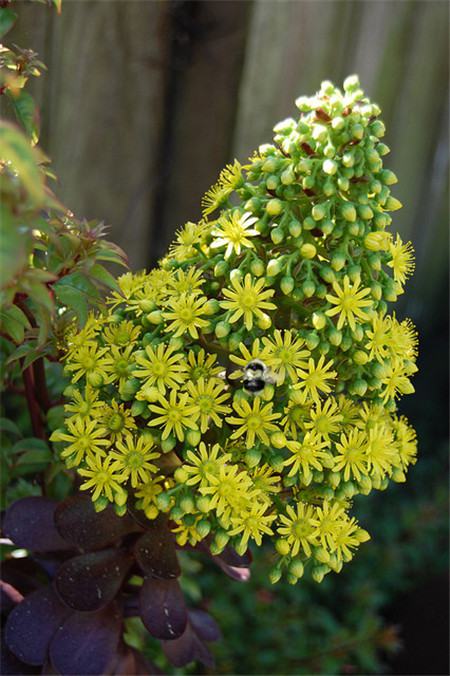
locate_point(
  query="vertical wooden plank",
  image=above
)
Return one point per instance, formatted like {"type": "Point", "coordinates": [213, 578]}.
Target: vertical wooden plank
{"type": "Point", "coordinates": [208, 45]}
{"type": "Point", "coordinates": [106, 107]}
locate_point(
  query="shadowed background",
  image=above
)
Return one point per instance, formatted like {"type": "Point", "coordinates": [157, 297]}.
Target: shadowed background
{"type": "Point", "coordinates": [145, 102]}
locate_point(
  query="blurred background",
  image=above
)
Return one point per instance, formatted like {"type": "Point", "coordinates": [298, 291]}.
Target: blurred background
{"type": "Point", "coordinates": [143, 104]}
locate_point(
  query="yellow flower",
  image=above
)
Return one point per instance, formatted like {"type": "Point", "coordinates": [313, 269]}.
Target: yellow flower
{"type": "Point", "coordinates": [230, 177]}
{"type": "Point", "coordinates": [203, 464]}
{"type": "Point", "coordinates": [402, 262]}
{"type": "Point", "coordinates": [326, 418]}
{"type": "Point", "coordinates": [287, 353]}
{"type": "Point", "coordinates": [254, 421]}
{"type": "Point", "coordinates": [315, 376]}
{"type": "Point", "coordinates": [266, 481]}
{"type": "Point", "coordinates": [209, 397]}
{"type": "Point", "coordinates": [129, 285]}
{"type": "Point", "coordinates": [175, 414]}
{"type": "Point", "coordinates": [202, 365]}
{"type": "Point", "coordinates": [132, 459]}
{"type": "Point", "coordinates": [396, 380]}
{"type": "Point", "coordinates": [296, 413]}
{"type": "Point", "coordinates": [307, 454]}
{"type": "Point", "coordinates": [348, 301]}
{"type": "Point", "coordinates": [252, 524]}
{"type": "Point", "coordinates": [187, 241]}
{"type": "Point", "coordinates": [88, 361]}
{"type": "Point", "coordinates": [100, 476]}
{"type": "Point", "coordinates": [161, 367]}
{"type": "Point", "coordinates": [186, 531]}
{"type": "Point", "coordinates": [403, 340]}
{"type": "Point", "coordinates": [146, 495]}
{"type": "Point", "coordinates": [248, 300]}
{"type": "Point", "coordinates": [121, 334]}
{"type": "Point", "coordinates": [349, 536]}
{"type": "Point", "coordinates": [298, 528]}
{"type": "Point", "coordinates": [85, 438]}
{"type": "Point", "coordinates": [89, 406]}
{"type": "Point", "coordinates": [188, 282]}
{"type": "Point", "coordinates": [119, 363]}
{"type": "Point", "coordinates": [230, 492]}
{"type": "Point", "coordinates": [381, 451]}
{"type": "Point", "coordinates": [379, 337]}
{"type": "Point", "coordinates": [328, 522]}
{"type": "Point", "coordinates": [185, 315]}
{"type": "Point", "coordinates": [256, 352]}
{"type": "Point", "coordinates": [352, 456]}
{"type": "Point", "coordinates": [232, 231]}
{"type": "Point", "coordinates": [117, 420]}
{"type": "Point", "coordinates": [406, 442]}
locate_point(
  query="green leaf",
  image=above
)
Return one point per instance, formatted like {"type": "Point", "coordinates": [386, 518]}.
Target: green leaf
{"type": "Point", "coordinates": [27, 113]}
{"type": "Point", "coordinates": [77, 293]}
{"type": "Point", "coordinates": [7, 20]}
{"type": "Point", "coordinates": [7, 425]}
{"type": "Point", "coordinates": [30, 444]}
{"type": "Point", "coordinates": [15, 148]}
{"type": "Point", "coordinates": [12, 247]}
{"type": "Point", "coordinates": [37, 455]}
{"type": "Point", "coordinates": [102, 275]}
{"type": "Point", "coordinates": [14, 322]}
{"type": "Point", "coordinates": [40, 294]}
{"type": "Point", "coordinates": [55, 417]}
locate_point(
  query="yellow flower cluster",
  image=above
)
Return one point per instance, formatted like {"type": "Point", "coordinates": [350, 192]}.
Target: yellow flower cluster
{"type": "Point", "coordinates": [248, 385]}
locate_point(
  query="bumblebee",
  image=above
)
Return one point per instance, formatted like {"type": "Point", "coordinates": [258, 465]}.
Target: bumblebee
{"type": "Point", "coordinates": [256, 376]}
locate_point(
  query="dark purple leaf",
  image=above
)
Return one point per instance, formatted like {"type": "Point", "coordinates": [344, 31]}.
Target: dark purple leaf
{"type": "Point", "coordinates": [90, 581]}
{"type": "Point", "coordinates": [32, 623]}
{"type": "Point", "coordinates": [87, 642]}
{"type": "Point", "coordinates": [204, 625]}
{"type": "Point", "coordinates": [79, 523]}
{"type": "Point", "coordinates": [23, 574]}
{"type": "Point", "coordinates": [155, 551]}
{"type": "Point", "coordinates": [187, 648]}
{"type": "Point", "coordinates": [30, 523]}
{"type": "Point", "coordinates": [163, 610]}
{"type": "Point", "coordinates": [10, 664]}
{"type": "Point", "coordinates": [129, 662]}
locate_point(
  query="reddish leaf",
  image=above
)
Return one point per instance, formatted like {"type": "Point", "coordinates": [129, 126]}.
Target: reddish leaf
{"type": "Point", "coordinates": [30, 523]}
{"type": "Point", "coordinates": [204, 625]}
{"type": "Point", "coordinates": [90, 581]}
{"type": "Point", "coordinates": [32, 624]}
{"type": "Point", "coordinates": [87, 642]}
{"type": "Point", "coordinates": [79, 523]}
{"type": "Point", "coordinates": [163, 610]}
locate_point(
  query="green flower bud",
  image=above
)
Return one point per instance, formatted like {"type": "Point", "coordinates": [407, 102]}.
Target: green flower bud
{"type": "Point", "coordinates": [277, 235]}
{"type": "Point", "coordinates": [282, 547]}
{"type": "Point", "coordinates": [187, 504]}
{"type": "Point", "coordinates": [272, 182]}
{"type": "Point", "coordinates": [274, 207]}
{"type": "Point", "coordinates": [327, 227]}
{"type": "Point", "coordinates": [335, 337]}
{"type": "Point", "coordinates": [222, 329]}
{"type": "Point", "coordinates": [348, 212]}
{"type": "Point", "coordinates": [359, 387]}
{"type": "Point", "coordinates": [236, 275]}
{"type": "Point", "coordinates": [203, 528]}
{"type": "Point", "coordinates": [375, 262]}
{"type": "Point", "coordinates": [392, 204]}
{"type": "Point", "coordinates": [221, 268]}
{"type": "Point", "coordinates": [338, 260]}
{"type": "Point", "coordinates": [348, 159]}
{"type": "Point", "coordinates": [319, 211]}
{"type": "Point", "coordinates": [343, 184]}
{"type": "Point", "coordinates": [351, 83]}
{"type": "Point", "coordinates": [295, 228]}
{"type": "Point", "coordinates": [365, 212]}
{"type": "Point", "coordinates": [308, 182]}
{"type": "Point", "coordinates": [288, 176]}
{"type": "Point", "coordinates": [319, 320]}
{"type": "Point", "coordinates": [193, 437]}
{"type": "Point", "coordinates": [274, 267]}
{"type": "Point", "coordinates": [324, 347]}
{"type": "Point", "coordinates": [138, 407]}
{"type": "Point", "coordinates": [308, 251]}
{"type": "Point", "coordinates": [278, 440]}
{"type": "Point", "coordinates": [312, 340]}
{"type": "Point", "coordinates": [274, 575]}
{"type": "Point", "coordinates": [264, 322]}
{"type": "Point", "coordinates": [252, 457]}
{"type": "Point", "coordinates": [329, 188]}
{"type": "Point", "coordinates": [270, 165]}
{"type": "Point", "coordinates": [296, 568]}
{"type": "Point", "coordinates": [287, 285]}
{"type": "Point", "coordinates": [354, 272]}
{"type": "Point", "coordinates": [329, 167]}
{"type": "Point", "coordinates": [253, 205]}
{"type": "Point", "coordinates": [234, 340]}
{"type": "Point", "coordinates": [168, 444]}
{"type": "Point", "coordinates": [95, 379]}
{"type": "Point", "coordinates": [321, 291]}
{"type": "Point", "coordinates": [376, 290]}
{"type": "Point", "coordinates": [308, 288]}
{"type": "Point", "coordinates": [309, 223]}
{"type": "Point", "coordinates": [337, 123]}
{"type": "Point", "coordinates": [211, 306]}
{"type": "Point", "coordinates": [327, 274]}
{"type": "Point", "coordinates": [180, 475]}
{"type": "Point", "coordinates": [221, 539]}
{"type": "Point", "coordinates": [377, 128]}
{"type": "Point", "coordinates": [163, 500]}
{"type": "Point", "coordinates": [203, 503]}
{"type": "Point", "coordinates": [360, 357]}
{"type": "Point", "coordinates": [257, 267]}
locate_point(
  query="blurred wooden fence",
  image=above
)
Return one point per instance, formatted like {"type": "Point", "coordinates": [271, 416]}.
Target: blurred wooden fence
{"type": "Point", "coordinates": [145, 101]}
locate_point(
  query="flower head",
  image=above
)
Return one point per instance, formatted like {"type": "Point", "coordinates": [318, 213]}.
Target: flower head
{"type": "Point", "coordinates": [349, 302]}
{"type": "Point", "coordinates": [248, 300]}
{"type": "Point", "coordinates": [233, 232]}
